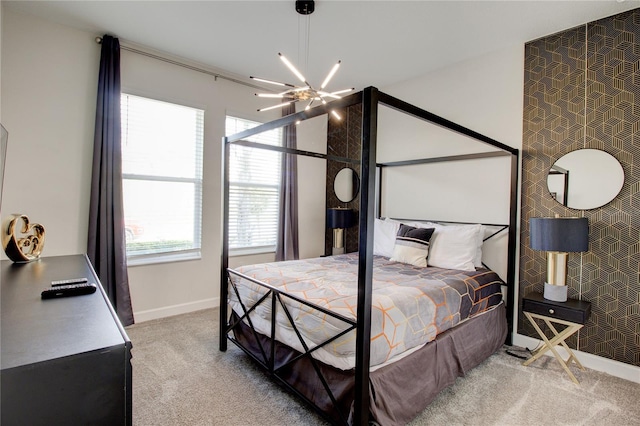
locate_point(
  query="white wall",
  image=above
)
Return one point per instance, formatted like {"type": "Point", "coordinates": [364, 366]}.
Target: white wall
{"type": "Point", "coordinates": [49, 83]}
{"type": "Point", "coordinates": [48, 106]}
{"type": "Point", "coordinates": [483, 94]}
{"type": "Point", "coordinates": [1, 7]}
{"type": "Point", "coordinates": [312, 136]}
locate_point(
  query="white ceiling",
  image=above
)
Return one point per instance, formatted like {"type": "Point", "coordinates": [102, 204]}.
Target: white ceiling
{"type": "Point", "coordinates": [379, 42]}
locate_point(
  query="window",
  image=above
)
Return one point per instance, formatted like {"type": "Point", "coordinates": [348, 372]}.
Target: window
{"type": "Point", "coordinates": [254, 186]}
{"type": "Point", "coordinates": [161, 179]}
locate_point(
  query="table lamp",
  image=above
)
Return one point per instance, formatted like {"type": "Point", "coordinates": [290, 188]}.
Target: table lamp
{"type": "Point", "coordinates": [558, 236]}
{"type": "Point", "coordinates": [338, 219]}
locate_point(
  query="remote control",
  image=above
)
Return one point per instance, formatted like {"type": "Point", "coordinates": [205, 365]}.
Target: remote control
{"type": "Point", "coordinates": [69, 281]}
{"type": "Point", "coordinates": [68, 290]}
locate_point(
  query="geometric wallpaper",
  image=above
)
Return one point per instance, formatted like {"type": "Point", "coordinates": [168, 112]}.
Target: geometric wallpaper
{"type": "Point", "coordinates": [343, 140]}
{"type": "Point", "coordinates": [582, 90]}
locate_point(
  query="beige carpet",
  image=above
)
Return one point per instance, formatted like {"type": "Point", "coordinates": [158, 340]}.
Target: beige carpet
{"type": "Point", "coordinates": [181, 378]}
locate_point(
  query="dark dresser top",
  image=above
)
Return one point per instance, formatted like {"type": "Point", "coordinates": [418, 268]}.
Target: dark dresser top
{"type": "Point", "coordinates": [35, 330]}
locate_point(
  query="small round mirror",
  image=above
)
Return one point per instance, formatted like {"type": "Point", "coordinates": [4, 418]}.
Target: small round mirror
{"type": "Point", "coordinates": [346, 185]}
{"type": "Point", "coordinates": [585, 179]}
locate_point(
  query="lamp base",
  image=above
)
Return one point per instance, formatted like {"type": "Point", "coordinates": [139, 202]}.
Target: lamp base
{"type": "Point", "coordinates": [557, 293]}
{"type": "Point", "coordinates": [338, 241]}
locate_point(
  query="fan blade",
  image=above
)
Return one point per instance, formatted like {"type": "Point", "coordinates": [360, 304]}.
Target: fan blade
{"type": "Point", "coordinates": [331, 73]}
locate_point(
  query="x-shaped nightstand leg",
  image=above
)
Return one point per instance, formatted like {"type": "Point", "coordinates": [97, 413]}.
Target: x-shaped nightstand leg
{"type": "Point", "coordinates": [558, 338]}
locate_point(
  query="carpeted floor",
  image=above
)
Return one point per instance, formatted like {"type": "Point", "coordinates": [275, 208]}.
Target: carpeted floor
{"type": "Point", "coordinates": [181, 378]}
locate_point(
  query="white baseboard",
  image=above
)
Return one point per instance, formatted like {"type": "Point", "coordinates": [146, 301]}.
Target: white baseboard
{"type": "Point", "coordinates": [594, 362]}
{"type": "Point", "coordinates": [183, 308]}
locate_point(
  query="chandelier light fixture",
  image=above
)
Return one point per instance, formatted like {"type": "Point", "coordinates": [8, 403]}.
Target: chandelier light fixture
{"type": "Point", "coordinates": [306, 92]}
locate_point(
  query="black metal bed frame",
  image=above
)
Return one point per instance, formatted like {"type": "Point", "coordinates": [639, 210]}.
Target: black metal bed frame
{"type": "Point", "coordinates": [268, 360]}
{"type": "Point", "coordinates": [370, 98]}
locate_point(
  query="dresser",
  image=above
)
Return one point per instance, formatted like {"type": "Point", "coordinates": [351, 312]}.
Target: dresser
{"type": "Point", "coordinates": [65, 360]}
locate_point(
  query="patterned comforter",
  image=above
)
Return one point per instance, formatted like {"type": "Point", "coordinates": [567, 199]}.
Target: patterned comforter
{"type": "Point", "coordinates": [410, 305]}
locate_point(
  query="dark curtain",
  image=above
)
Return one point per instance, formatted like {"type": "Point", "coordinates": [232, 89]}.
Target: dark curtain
{"type": "Point", "coordinates": [106, 242]}
{"type": "Point", "coordinates": [287, 243]}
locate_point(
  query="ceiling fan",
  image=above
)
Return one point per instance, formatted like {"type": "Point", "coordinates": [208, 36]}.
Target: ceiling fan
{"type": "Point", "coordinates": [305, 92]}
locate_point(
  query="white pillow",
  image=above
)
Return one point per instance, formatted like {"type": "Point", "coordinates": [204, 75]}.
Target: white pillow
{"type": "Point", "coordinates": [416, 224]}
{"type": "Point", "coordinates": [478, 229]}
{"type": "Point", "coordinates": [384, 237]}
{"type": "Point", "coordinates": [455, 247]}
{"type": "Point", "coordinates": [484, 232]}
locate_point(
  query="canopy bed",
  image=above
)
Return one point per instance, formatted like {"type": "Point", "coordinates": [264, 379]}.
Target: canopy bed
{"type": "Point", "coordinates": [355, 354]}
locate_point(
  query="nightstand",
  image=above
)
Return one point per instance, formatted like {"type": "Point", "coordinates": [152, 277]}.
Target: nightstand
{"type": "Point", "coordinates": [572, 313]}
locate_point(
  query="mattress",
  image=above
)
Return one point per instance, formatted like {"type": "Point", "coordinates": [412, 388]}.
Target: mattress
{"type": "Point", "coordinates": [410, 305]}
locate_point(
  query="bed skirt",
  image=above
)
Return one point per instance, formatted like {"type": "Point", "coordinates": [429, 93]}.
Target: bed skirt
{"type": "Point", "coordinates": [398, 391]}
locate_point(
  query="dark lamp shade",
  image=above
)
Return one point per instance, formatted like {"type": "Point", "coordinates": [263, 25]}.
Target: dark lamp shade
{"type": "Point", "coordinates": [564, 234]}
{"type": "Point", "coordinates": [339, 218]}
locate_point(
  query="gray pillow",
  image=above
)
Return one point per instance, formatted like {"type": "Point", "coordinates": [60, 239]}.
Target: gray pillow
{"type": "Point", "coordinates": [412, 245]}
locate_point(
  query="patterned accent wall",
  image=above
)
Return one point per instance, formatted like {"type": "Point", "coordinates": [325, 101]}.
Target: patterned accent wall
{"type": "Point", "coordinates": [582, 90]}
{"type": "Point", "coordinates": [343, 140]}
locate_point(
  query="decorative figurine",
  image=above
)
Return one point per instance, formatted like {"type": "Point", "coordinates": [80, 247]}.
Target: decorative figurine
{"type": "Point", "coordinates": [25, 243]}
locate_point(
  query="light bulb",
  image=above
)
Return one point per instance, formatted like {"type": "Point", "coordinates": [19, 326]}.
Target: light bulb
{"type": "Point", "coordinates": [269, 95]}
{"type": "Point", "coordinates": [269, 81]}
{"type": "Point", "coordinates": [331, 73]}
{"type": "Point", "coordinates": [275, 106]}
{"type": "Point", "coordinates": [339, 92]}
{"type": "Point", "coordinates": [292, 68]}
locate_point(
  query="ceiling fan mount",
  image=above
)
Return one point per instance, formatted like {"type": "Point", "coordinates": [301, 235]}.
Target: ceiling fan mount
{"type": "Point", "coordinates": [305, 7]}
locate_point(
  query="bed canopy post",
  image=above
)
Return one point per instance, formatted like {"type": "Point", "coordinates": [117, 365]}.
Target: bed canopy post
{"type": "Point", "coordinates": [511, 261]}
{"type": "Point", "coordinates": [365, 255]}
{"type": "Point", "coordinates": [224, 287]}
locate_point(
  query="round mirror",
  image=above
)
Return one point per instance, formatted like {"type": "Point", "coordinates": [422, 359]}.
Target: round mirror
{"type": "Point", "coordinates": [585, 179]}
{"type": "Point", "coordinates": [346, 185]}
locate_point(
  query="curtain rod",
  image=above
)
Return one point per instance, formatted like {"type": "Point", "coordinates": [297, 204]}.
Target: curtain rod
{"type": "Point", "coordinates": [184, 65]}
